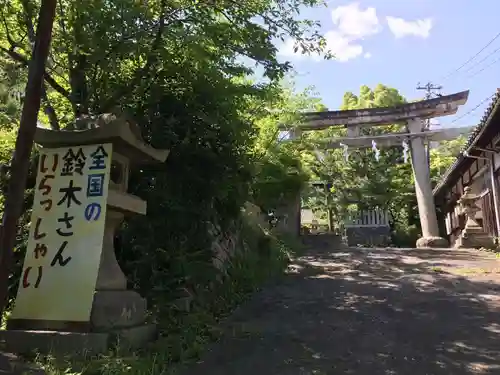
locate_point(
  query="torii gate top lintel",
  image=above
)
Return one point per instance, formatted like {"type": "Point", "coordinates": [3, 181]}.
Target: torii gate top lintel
{"type": "Point", "coordinates": [424, 109]}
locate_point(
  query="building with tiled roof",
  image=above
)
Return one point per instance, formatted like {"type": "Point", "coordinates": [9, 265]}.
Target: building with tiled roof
{"type": "Point", "coordinates": [477, 166]}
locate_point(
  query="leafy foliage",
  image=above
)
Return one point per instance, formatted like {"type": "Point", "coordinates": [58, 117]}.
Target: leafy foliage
{"type": "Point", "coordinates": [443, 156]}
{"type": "Point", "coordinates": [106, 52]}
{"type": "Point", "coordinates": [362, 182]}
{"type": "Point", "coordinates": [279, 174]}
{"type": "Point", "coordinates": [176, 67]}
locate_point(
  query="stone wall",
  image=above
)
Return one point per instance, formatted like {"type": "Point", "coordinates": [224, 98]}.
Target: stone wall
{"type": "Point", "coordinates": [224, 245]}
{"type": "Point", "coordinates": [227, 243]}
{"type": "Point", "coordinates": [368, 235]}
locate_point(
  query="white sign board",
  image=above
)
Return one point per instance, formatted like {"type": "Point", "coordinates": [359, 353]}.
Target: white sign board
{"type": "Point", "coordinates": [66, 234]}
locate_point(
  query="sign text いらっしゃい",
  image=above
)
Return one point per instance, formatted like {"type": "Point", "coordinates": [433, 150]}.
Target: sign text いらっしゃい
{"type": "Point", "coordinates": [66, 234]}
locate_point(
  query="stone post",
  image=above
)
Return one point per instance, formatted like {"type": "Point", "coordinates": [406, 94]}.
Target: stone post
{"type": "Point", "coordinates": [473, 235]}
{"type": "Point", "coordinates": [423, 190]}
{"type": "Point", "coordinates": [110, 276]}
{"type": "Point", "coordinates": [82, 303]}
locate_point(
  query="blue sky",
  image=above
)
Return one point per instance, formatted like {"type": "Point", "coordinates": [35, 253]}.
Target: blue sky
{"type": "Point", "coordinates": [402, 42]}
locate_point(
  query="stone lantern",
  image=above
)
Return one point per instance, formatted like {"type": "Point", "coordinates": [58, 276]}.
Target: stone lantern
{"type": "Point", "coordinates": [116, 314]}
{"type": "Point", "coordinates": [473, 234]}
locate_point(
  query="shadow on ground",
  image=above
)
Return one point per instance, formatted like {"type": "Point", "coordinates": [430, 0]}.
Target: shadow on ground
{"type": "Point", "coordinates": [368, 311]}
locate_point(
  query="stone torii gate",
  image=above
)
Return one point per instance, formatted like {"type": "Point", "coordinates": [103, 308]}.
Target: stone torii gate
{"type": "Point", "coordinates": [413, 115]}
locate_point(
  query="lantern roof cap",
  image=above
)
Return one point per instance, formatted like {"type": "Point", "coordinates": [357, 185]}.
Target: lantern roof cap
{"type": "Point", "coordinates": [122, 132]}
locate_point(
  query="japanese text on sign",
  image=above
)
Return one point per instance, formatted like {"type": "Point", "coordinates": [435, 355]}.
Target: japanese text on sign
{"type": "Point", "coordinates": [66, 234]}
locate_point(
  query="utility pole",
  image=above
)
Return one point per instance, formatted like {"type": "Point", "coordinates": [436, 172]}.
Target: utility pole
{"type": "Point", "coordinates": [19, 165]}
{"type": "Point", "coordinates": [430, 89]}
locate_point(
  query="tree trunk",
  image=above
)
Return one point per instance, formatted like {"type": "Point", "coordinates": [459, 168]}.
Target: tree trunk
{"type": "Point", "coordinates": [77, 71]}
{"type": "Point", "coordinates": [24, 142]}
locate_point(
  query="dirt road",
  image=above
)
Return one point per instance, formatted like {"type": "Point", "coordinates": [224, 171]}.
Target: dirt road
{"type": "Point", "coordinates": [369, 312]}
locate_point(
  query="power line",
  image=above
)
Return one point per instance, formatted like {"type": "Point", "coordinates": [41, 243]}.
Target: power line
{"type": "Point", "coordinates": [483, 59]}
{"type": "Point", "coordinates": [484, 68]}
{"type": "Point", "coordinates": [476, 73]}
{"type": "Point", "coordinates": [473, 109]}
{"type": "Point", "coordinates": [471, 58]}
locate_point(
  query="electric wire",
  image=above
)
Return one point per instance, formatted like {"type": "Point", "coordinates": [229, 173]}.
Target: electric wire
{"type": "Point", "coordinates": [473, 109]}
{"type": "Point", "coordinates": [484, 68]}
{"type": "Point", "coordinates": [471, 67]}
{"type": "Point", "coordinates": [470, 59]}
{"type": "Point", "coordinates": [483, 59]}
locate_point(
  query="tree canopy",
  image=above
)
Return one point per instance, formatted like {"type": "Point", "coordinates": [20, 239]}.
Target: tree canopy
{"type": "Point", "coordinates": [107, 53]}
{"type": "Point", "coordinates": [182, 70]}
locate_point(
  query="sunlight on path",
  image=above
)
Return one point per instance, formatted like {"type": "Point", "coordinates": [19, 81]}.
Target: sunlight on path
{"type": "Point", "coordinates": [368, 311]}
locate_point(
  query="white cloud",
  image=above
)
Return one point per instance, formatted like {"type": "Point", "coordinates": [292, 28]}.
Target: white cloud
{"type": "Point", "coordinates": [287, 50]}
{"type": "Point", "coordinates": [401, 28]}
{"type": "Point", "coordinates": [354, 22]}
{"type": "Point", "coordinates": [342, 47]}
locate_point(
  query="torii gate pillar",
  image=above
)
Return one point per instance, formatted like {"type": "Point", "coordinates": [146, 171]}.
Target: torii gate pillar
{"type": "Point", "coordinates": [423, 190]}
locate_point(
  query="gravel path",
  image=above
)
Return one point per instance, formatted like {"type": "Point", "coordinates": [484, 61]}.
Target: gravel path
{"type": "Point", "coordinates": [369, 311]}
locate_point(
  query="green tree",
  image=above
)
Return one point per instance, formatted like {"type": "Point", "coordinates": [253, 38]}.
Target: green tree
{"type": "Point", "coordinates": [362, 182]}
{"type": "Point", "coordinates": [9, 107]}
{"type": "Point", "coordinates": [443, 156]}
{"type": "Point", "coordinates": [11, 91]}
{"type": "Point", "coordinates": [105, 53]}
{"type": "Point", "coordinates": [175, 66]}
{"type": "Point", "coordinates": [279, 174]}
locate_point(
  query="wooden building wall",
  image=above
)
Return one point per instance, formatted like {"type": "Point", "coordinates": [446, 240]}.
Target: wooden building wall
{"type": "Point", "coordinates": [477, 175]}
